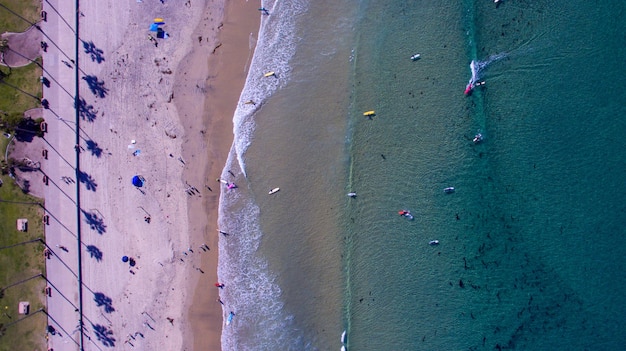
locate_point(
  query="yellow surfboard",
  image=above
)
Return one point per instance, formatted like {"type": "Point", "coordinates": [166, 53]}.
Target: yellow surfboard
{"type": "Point", "coordinates": [369, 113]}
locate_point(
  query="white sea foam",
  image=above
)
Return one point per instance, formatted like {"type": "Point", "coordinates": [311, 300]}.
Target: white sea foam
{"type": "Point", "coordinates": [251, 291]}
{"type": "Point", "coordinates": [477, 67]}
{"type": "Point", "coordinates": [274, 49]}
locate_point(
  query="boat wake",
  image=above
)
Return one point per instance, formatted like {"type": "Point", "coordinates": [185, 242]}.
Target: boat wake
{"type": "Point", "coordinates": [477, 68]}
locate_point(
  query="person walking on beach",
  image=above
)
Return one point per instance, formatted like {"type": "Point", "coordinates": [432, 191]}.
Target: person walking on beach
{"type": "Point", "coordinates": [219, 285]}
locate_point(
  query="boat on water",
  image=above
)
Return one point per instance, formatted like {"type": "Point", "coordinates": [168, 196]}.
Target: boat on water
{"type": "Point", "coordinates": [407, 214]}
{"type": "Point", "coordinates": [478, 138]}
{"type": "Point", "coordinates": [273, 191]}
{"type": "Point", "coordinates": [449, 190]}
{"type": "Point", "coordinates": [416, 57]}
{"type": "Point", "coordinates": [352, 194]}
{"type": "Point", "coordinates": [270, 74]}
{"type": "Point", "coordinates": [433, 242]}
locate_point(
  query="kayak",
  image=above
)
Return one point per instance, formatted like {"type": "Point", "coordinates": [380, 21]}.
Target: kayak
{"type": "Point", "coordinates": [274, 191]}
{"type": "Point", "coordinates": [269, 74]}
{"type": "Point", "coordinates": [369, 113]}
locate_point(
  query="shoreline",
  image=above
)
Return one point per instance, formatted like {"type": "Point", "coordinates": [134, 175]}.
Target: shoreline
{"type": "Point", "coordinates": [206, 146]}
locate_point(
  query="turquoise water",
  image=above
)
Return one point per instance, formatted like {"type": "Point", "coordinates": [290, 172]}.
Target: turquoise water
{"type": "Point", "coordinates": [531, 249]}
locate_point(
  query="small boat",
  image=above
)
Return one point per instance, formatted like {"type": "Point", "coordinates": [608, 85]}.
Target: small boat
{"type": "Point", "coordinates": [343, 337]}
{"type": "Point", "coordinates": [433, 242]}
{"type": "Point", "coordinates": [449, 190]}
{"type": "Point", "coordinates": [477, 138]}
{"type": "Point", "coordinates": [415, 57]}
{"type": "Point", "coordinates": [274, 191]}
{"type": "Point", "coordinates": [269, 74]}
{"type": "Point", "coordinates": [229, 319]}
{"type": "Point", "coordinates": [369, 113]}
{"type": "Point", "coordinates": [352, 194]}
{"type": "Point", "coordinates": [407, 214]}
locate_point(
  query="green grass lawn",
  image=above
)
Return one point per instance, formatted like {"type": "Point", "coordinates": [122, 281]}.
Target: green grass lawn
{"type": "Point", "coordinates": [26, 79]}
{"type": "Point", "coordinates": [3, 145]}
{"type": "Point", "coordinates": [28, 9]}
{"type": "Point", "coordinates": [17, 264]}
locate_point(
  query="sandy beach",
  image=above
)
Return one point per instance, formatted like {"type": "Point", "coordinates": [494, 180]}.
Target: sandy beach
{"type": "Point", "coordinates": [208, 140]}
{"type": "Point", "coordinates": [160, 109]}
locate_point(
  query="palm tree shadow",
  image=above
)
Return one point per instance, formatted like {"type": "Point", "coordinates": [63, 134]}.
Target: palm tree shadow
{"type": "Point", "coordinates": [95, 222]}
{"type": "Point", "coordinates": [104, 335]}
{"type": "Point", "coordinates": [94, 252]}
{"type": "Point", "coordinates": [93, 51]}
{"type": "Point", "coordinates": [86, 179]}
{"type": "Point", "coordinates": [94, 148]}
{"type": "Point", "coordinates": [104, 301]}
{"type": "Point", "coordinates": [96, 86]}
{"type": "Point", "coordinates": [86, 112]}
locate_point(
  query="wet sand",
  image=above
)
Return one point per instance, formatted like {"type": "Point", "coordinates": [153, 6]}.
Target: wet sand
{"type": "Point", "coordinates": [215, 70]}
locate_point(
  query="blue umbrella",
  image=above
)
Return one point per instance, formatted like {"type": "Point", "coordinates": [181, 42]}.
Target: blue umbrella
{"type": "Point", "coordinates": [138, 181]}
{"type": "Point", "coordinates": [154, 27]}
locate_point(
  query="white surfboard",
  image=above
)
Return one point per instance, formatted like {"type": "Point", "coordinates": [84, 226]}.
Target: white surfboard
{"type": "Point", "coordinates": [274, 191]}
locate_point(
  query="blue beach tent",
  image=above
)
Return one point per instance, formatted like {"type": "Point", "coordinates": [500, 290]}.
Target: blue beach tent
{"type": "Point", "coordinates": [138, 181]}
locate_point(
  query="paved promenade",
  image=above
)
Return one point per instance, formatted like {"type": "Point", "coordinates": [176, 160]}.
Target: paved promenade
{"type": "Point", "coordinates": [61, 170]}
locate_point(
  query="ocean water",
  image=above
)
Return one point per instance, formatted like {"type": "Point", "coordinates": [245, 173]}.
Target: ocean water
{"type": "Point", "coordinates": [530, 253]}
